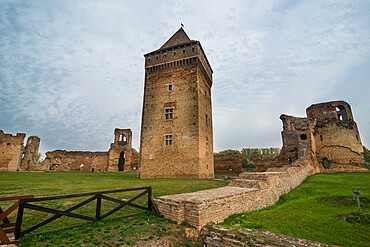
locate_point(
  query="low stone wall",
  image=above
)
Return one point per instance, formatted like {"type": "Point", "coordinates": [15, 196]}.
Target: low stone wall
{"type": "Point", "coordinates": [247, 192]}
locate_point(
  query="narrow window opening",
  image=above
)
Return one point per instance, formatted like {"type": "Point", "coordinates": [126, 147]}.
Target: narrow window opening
{"type": "Point", "coordinates": [69, 165]}
{"type": "Point", "coordinates": [156, 58]}
{"type": "Point", "coordinates": [148, 60]}
{"type": "Point", "coordinates": [174, 53]}
{"type": "Point", "coordinates": [165, 55]}
{"type": "Point", "coordinates": [207, 122]}
{"type": "Point", "coordinates": [357, 137]}
{"type": "Point", "coordinates": [168, 140]}
{"type": "Point", "coordinates": [341, 113]}
{"type": "Point", "coordinates": [303, 137]}
{"type": "Point", "coordinates": [183, 51]}
{"type": "Point", "coordinates": [170, 87]}
{"type": "Point", "coordinates": [168, 112]}
{"type": "Point", "coordinates": [207, 146]}
{"type": "Point", "coordinates": [321, 138]}
{"type": "Point", "coordinates": [205, 93]}
{"type": "Point", "coordinates": [192, 49]}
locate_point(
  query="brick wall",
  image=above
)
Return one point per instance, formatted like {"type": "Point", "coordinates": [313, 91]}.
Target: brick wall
{"type": "Point", "coordinates": [248, 192]}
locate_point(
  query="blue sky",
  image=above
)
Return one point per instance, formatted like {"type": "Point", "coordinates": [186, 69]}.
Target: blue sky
{"type": "Point", "coordinates": [72, 71]}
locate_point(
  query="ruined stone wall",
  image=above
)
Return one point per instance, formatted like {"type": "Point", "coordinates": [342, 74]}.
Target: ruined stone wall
{"type": "Point", "coordinates": [85, 161]}
{"type": "Point", "coordinates": [228, 164]}
{"type": "Point", "coordinates": [176, 78]}
{"type": "Point", "coordinates": [328, 136]}
{"type": "Point", "coordinates": [11, 150]}
{"type": "Point", "coordinates": [295, 137]}
{"type": "Point", "coordinates": [263, 162]}
{"type": "Point", "coordinates": [30, 152]}
{"type": "Point", "coordinates": [247, 192]}
{"type": "Point", "coordinates": [216, 236]}
{"type": "Point", "coordinates": [61, 160]}
{"type": "Point", "coordinates": [335, 137]}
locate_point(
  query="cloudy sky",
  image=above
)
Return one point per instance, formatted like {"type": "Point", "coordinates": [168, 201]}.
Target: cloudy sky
{"type": "Point", "coordinates": [72, 71]}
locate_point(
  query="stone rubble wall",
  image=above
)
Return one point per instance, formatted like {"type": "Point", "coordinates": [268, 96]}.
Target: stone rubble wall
{"type": "Point", "coordinates": [247, 192]}
{"type": "Point", "coordinates": [228, 164]}
{"type": "Point", "coordinates": [222, 236]}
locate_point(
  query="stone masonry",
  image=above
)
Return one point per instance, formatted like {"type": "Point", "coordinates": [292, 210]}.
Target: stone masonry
{"type": "Point", "coordinates": [247, 192]}
{"type": "Point", "coordinates": [176, 132]}
{"type": "Point", "coordinates": [13, 155]}
{"type": "Point", "coordinates": [228, 164]}
{"type": "Point", "coordinates": [329, 136]}
{"type": "Point", "coordinates": [120, 157]}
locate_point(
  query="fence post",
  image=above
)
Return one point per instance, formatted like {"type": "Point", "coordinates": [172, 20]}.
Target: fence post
{"type": "Point", "coordinates": [18, 225]}
{"type": "Point", "coordinates": [150, 199]}
{"type": "Point", "coordinates": [98, 206]}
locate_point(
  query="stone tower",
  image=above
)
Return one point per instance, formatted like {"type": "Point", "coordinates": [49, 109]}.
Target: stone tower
{"type": "Point", "coordinates": [335, 139]}
{"type": "Point", "coordinates": [176, 131]}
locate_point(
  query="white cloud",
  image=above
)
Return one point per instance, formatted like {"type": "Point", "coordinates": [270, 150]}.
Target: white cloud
{"type": "Point", "coordinates": [73, 71]}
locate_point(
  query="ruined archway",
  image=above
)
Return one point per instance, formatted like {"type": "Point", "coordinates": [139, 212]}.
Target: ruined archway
{"type": "Point", "coordinates": [121, 162]}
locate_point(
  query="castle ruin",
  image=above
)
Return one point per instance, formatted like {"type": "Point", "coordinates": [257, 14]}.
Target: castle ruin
{"type": "Point", "coordinates": [329, 136]}
{"type": "Point", "coordinates": [120, 157]}
{"type": "Point", "coordinates": [14, 156]}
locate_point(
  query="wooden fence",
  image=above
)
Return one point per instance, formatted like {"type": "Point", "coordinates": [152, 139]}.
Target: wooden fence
{"type": "Point", "coordinates": [7, 226]}
{"type": "Point", "coordinates": [26, 202]}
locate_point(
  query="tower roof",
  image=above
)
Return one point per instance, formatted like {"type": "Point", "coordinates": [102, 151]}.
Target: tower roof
{"type": "Point", "coordinates": [178, 38]}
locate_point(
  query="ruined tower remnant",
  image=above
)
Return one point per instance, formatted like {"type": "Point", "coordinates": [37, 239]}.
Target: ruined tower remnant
{"type": "Point", "coordinates": [14, 156]}
{"type": "Point", "coordinates": [121, 154]}
{"type": "Point", "coordinates": [176, 132]}
{"type": "Point", "coordinates": [334, 136]}
{"type": "Point", "coordinates": [328, 136]}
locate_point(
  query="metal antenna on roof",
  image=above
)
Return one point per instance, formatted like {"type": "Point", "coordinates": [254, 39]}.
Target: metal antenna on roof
{"type": "Point", "coordinates": [182, 25]}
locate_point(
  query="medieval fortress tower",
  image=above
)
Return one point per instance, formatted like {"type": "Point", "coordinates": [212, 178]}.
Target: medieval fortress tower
{"type": "Point", "coordinates": [176, 132]}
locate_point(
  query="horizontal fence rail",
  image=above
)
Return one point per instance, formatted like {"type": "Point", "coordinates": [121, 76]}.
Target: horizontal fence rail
{"type": "Point", "coordinates": [96, 195]}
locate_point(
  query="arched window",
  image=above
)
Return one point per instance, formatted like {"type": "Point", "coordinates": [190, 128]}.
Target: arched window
{"type": "Point", "coordinates": [341, 113]}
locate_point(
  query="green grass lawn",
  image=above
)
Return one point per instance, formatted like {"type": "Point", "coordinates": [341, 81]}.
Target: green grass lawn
{"type": "Point", "coordinates": [316, 209]}
{"type": "Point", "coordinates": [108, 232]}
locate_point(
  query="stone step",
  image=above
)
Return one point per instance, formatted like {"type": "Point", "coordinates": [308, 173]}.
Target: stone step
{"type": "Point", "coordinates": [245, 183]}
{"type": "Point", "coordinates": [260, 175]}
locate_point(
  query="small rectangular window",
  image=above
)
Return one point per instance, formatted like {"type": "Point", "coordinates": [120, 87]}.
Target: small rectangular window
{"type": "Point", "coordinates": [170, 87]}
{"type": "Point", "coordinates": [168, 112]}
{"type": "Point", "coordinates": [183, 51]}
{"type": "Point", "coordinates": [206, 119]}
{"type": "Point", "coordinates": [207, 143]}
{"type": "Point", "coordinates": [168, 140]}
